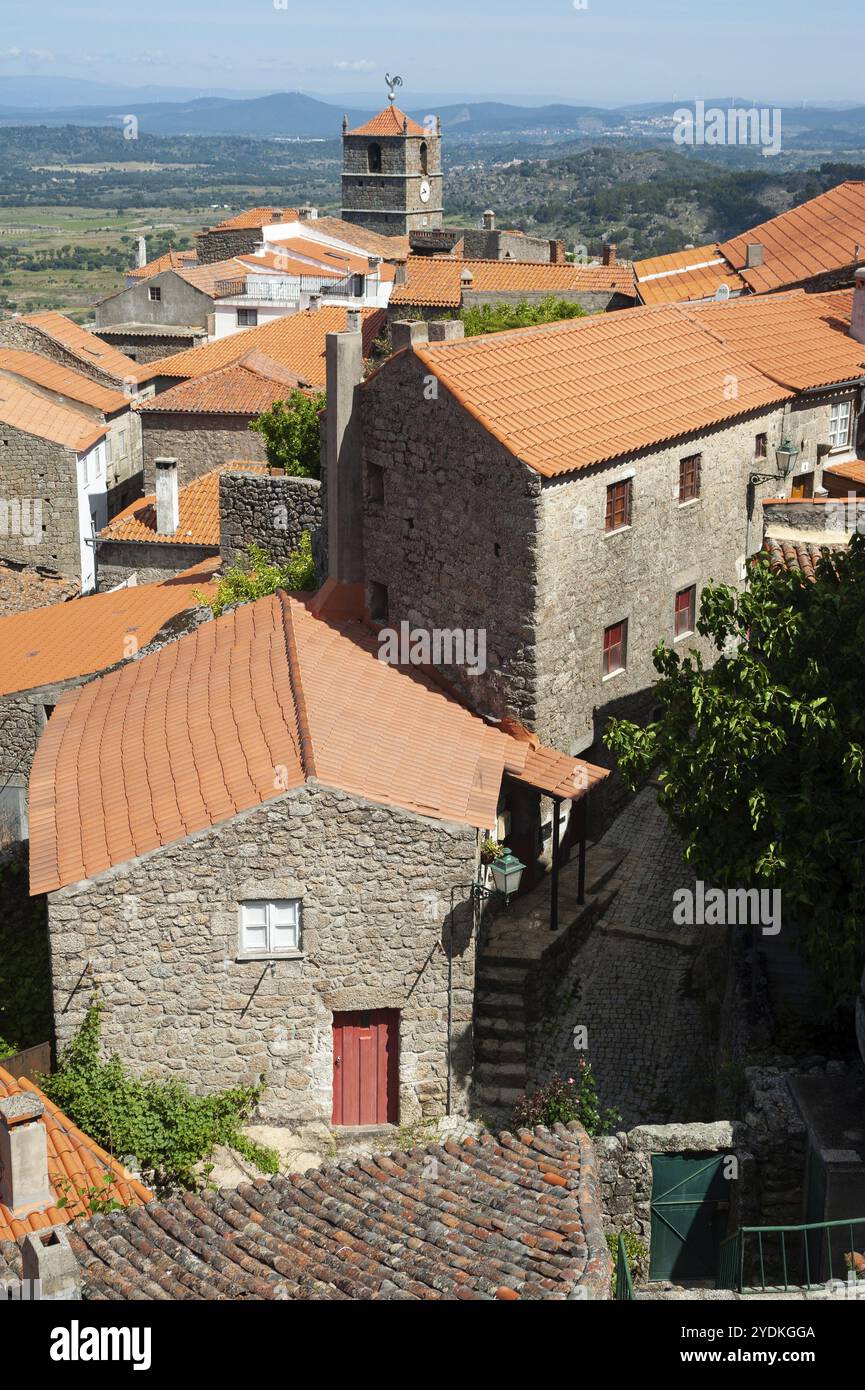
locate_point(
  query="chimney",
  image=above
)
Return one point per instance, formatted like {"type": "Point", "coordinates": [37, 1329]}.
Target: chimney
{"type": "Point", "coordinates": [557, 252]}
{"type": "Point", "coordinates": [400, 273]}
{"type": "Point", "coordinates": [49, 1263]}
{"type": "Point", "coordinates": [608, 254]}
{"type": "Point", "coordinates": [857, 317]}
{"type": "Point", "coordinates": [142, 251]}
{"type": "Point", "coordinates": [353, 321]}
{"type": "Point", "coordinates": [24, 1186]}
{"type": "Point", "coordinates": [404, 333]}
{"type": "Point", "coordinates": [489, 220]}
{"type": "Point", "coordinates": [167, 502]}
{"type": "Point", "coordinates": [753, 254]}
{"type": "Point", "coordinates": [314, 302]}
{"type": "Point", "coordinates": [466, 278]}
{"type": "Point", "coordinates": [343, 463]}
{"type": "Point", "coordinates": [446, 330]}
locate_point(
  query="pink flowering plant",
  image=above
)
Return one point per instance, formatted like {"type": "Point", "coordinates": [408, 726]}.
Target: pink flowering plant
{"type": "Point", "coordinates": [566, 1098]}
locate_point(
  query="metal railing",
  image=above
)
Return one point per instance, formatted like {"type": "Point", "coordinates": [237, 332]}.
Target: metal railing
{"type": "Point", "coordinates": [264, 291]}
{"type": "Point", "coordinates": [792, 1257]}
{"type": "Point", "coordinates": [624, 1281]}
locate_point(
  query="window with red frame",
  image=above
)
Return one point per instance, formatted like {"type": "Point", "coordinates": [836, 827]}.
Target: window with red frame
{"type": "Point", "coordinates": [686, 610]}
{"type": "Point", "coordinates": [615, 647]}
{"type": "Point", "coordinates": [689, 478]}
{"type": "Point", "coordinates": [618, 513]}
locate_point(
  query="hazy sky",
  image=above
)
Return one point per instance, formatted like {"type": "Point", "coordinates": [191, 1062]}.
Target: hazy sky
{"type": "Point", "coordinates": [582, 50]}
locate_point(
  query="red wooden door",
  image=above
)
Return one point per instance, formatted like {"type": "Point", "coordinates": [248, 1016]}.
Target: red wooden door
{"type": "Point", "coordinates": [366, 1067]}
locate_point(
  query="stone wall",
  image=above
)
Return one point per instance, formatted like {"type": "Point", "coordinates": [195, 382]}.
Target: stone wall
{"type": "Point", "coordinates": [150, 561]}
{"type": "Point", "coordinates": [15, 333]}
{"type": "Point", "coordinates": [162, 935]}
{"type": "Point", "coordinates": [179, 303]}
{"type": "Point", "coordinates": [593, 301]}
{"type": "Point", "coordinates": [270, 511]}
{"type": "Point", "coordinates": [482, 244]}
{"type": "Point", "coordinates": [198, 442]}
{"type": "Point", "coordinates": [388, 201]}
{"type": "Point", "coordinates": [149, 347]}
{"type": "Point", "coordinates": [221, 246]}
{"type": "Point", "coordinates": [36, 473]}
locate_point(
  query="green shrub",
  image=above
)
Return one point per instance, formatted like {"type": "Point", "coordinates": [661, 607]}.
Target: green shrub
{"type": "Point", "coordinates": [290, 431]}
{"type": "Point", "coordinates": [636, 1251]}
{"type": "Point", "coordinates": [564, 1099]}
{"type": "Point", "coordinates": [494, 318]}
{"type": "Point", "coordinates": [160, 1125]}
{"type": "Point", "coordinates": [256, 575]}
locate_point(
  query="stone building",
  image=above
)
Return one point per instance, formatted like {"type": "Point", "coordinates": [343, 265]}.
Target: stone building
{"type": "Point", "coordinates": [239, 235]}
{"type": "Point", "coordinates": [571, 488]}
{"type": "Point", "coordinates": [487, 243]}
{"type": "Point", "coordinates": [54, 649]}
{"type": "Point", "coordinates": [431, 286]}
{"type": "Point", "coordinates": [281, 829]}
{"type": "Point", "coordinates": [392, 173]}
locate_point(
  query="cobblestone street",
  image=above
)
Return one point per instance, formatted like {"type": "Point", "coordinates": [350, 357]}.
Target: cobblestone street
{"type": "Point", "coordinates": [630, 984]}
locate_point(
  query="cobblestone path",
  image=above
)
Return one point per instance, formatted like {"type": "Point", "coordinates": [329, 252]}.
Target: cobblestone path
{"type": "Point", "coordinates": [630, 984]}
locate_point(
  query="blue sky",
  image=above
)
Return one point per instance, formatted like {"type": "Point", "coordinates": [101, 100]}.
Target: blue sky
{"type": "Point", "coordinates": [610, 51]}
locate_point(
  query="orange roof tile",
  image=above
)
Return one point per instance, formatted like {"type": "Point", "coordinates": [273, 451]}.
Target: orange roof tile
{"type": "Point", "coordinates": [296, 341]}
{"type": "Point", "coordinates": [820, 235]}
{"type": "Point", "coordinates": [565, 395]}
{"type": "Point", "coordinates": [34, 414]}
{"type": "Point", "coordinates": [246, 387]}
{"type": "Point", "coordinates": [439, 280]}
{"type": "Point", "coordinates": [54, 377]}
{"type": "Point", "coordinates": [190, 736]}
{"type": "Point", "coordinates": [392, 248]}
{"type": "Point", "coordinates": [389, 121]}
{"type": "Point", "coordinates": [84, 345]}
{"type": "Point", "coordinates": [76, 1164]}
{"type": "Point", "coordinates": [330, 257]}
{"type": "Point", "coordinates": [198, 504]}
{"type": "Point", "coordinates": [256, 217]}
{"type": "Point", "coordinates": [854, 471]}
{"type": "Point", "coordinates": [89, 634]}
{"type": "Point", "coordinates": [288, 265]}
{"type": "Point", "coordinates": [169, 260]}
{"type": "Point", "coordinates": [697, 273]}
{"type": "Point", "coordinates": [794, 338]}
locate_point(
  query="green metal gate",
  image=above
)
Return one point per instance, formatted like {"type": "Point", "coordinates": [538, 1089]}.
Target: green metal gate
{"type": "Point", "coordinates": [690, 1204]}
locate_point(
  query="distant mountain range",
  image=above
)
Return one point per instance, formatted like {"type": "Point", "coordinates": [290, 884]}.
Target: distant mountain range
{"type": "Point", "coordinates": [296, 115]}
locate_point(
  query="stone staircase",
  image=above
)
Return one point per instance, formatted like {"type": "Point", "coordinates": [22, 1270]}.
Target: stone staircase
{"type": "Point", "coordinates": [515, 944]}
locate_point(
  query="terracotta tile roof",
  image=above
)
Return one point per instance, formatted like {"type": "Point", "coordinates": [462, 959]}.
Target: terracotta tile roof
{"type": "Point", "coordinates": [565, 395]}
{"type": "Point", "coordinates": [341, 262]}
{"type": "Point", "coordinates": [256, 217]}
{"type": "Point", "coordinates": [74, 639]}
{"type": "Point", "coordinates": [84, 345]}
{"type": "Point", "coordinates": [37, 415]}
{"type": "Point", "coordinates": [795, 557]}
{"type": "Point", "coordinates": [296, 341]}
{"type": "Point", "coordinates": [392, 248]}
{"type": "Point", "coordinates": [818, 236]}
{"type": "Point", "coordinates": [288, 265]}
{"type": "Point", "coordinates": [515, 1216]}
{"type": "Point", "coordinates": [795, 338]}
{"type": "Point", "coordinates": [854, 471]}
{"type": "Point", "coordinates": [389, 121]}
{"type": "Point", "coordinates": [23, 588]}
{"type": "Point", "coordinates": [438, 280]}
{"type": "Point", "coordinates": [43, 372]}
{"type": "Point", "coordinates": [207, 277]}
{"type": "Point", "coordinates": [198, 504]}
{"type": "Point", "coordinates": [76, 1164]}
{"type": "Point", "coordinates": [189, 736]}
{"type": "Point", "coordinates": [693, 274]}
{"type": "Point", "coordinates": [169, 260]}
{"type": "Point", "coordinates": [245, 388]}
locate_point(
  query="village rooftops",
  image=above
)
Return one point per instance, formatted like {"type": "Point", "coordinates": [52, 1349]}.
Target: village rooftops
{"type": "Point", "coordinates": [822, 235]}
{"type": "Point", "coordinates": [41, 371]}
{"type": "Point", "coordinates": [390, 248]}
{"type": "Point", "coordinates": [76, 1167]}
{"type": "Point", "coordinates": [563, 396]}
{"type": "Point", "coordinates": [198, 507]}
{"type": "Point", "coordinates": [246, 387]}
{"type": "Point", "coordinates": [169, 260]}
{"type": "Point", "coordinates": [256, 217]}
{"type": "Point", "coordinates": [33, 413]}
{"type": "Point", "coordinates": [82, 344]}
{"type": "Point", "coordinates": [188, 737]}
{"type": "Point", "coordinates": [511, 1216]}
{"type": "Point", "coordinates": [439, 281]}
{"type": "Point", "coordinates": [296, 341]}
{"type": "Point", "coordinates": [69, 640]}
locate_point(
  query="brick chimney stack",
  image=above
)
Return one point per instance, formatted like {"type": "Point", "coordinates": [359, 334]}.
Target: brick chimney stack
{"type": "Point", "coordinates": [608, 254]}
{"type": "Point", "coordinates": [857, 318]}
{"type": "Point", "coordinates": [489, 220]}
{"type": "Point", "coordinates": [24, 1186]}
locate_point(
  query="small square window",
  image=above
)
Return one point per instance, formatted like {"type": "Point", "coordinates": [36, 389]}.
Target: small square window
{"type": "Point", "coordinates": [761, 446]}
{"type": "Point", "coordinates": [839, 425]}
{"type": "Point", "coordinates": [155, 293]}
{"type": "Point", "coordinates": [247, 318]}
{"type": "Point", "coordinates": [689, 478]}
{"type": "Point", "coordinates": [615, 648]}
{"type": "Point", "coordinates": [270, 928]}
{"type": "Point", "coordinates": [618, 510]}
{"type": "Point", "coordinates": [685, 611]}
{"type": "Point", "coordinates": [375, 483]}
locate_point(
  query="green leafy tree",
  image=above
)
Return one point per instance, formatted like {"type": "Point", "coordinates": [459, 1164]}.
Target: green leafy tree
{"type": "Point", "coordinates": [291, 434]}
{"type": "Point", "coordinates": [762, 754]}
{"type": "Point", "coordinates": [494, 318]}
{"type": "Point", "coordinates": [254, 575]}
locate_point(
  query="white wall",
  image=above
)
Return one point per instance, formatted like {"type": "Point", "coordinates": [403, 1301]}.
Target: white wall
{"type": "Point", "coordinates": [92, 508]}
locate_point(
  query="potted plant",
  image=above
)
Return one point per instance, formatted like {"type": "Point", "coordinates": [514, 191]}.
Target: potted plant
{"type": "Point", "coordinates": [491, 849]}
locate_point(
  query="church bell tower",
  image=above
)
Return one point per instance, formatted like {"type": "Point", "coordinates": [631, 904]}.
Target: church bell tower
{"type": "Point", "coordinates": [392, 172]}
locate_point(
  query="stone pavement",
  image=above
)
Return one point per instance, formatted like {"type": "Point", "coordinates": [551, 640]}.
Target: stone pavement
{"type": "Point", "coordinates": [630, 984]}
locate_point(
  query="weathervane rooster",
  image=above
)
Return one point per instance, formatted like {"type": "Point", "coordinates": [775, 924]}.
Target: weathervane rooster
{"type": "Point", "coordinates": [391, 83]}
